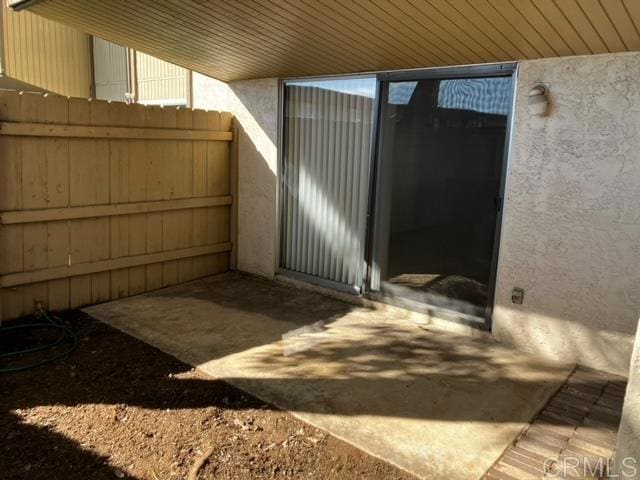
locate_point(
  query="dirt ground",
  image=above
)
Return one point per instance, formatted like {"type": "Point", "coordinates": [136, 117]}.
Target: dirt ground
{"type": "Point", "coordinates": [118, 408]}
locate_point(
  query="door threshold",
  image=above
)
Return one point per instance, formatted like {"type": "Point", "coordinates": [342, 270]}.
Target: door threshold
{"type": "Point", "coordinates": [443, 318]}
{"type": "Point", "coordinates": [320, 282]}
{"type": "Point", "coordinates": [466, 319]}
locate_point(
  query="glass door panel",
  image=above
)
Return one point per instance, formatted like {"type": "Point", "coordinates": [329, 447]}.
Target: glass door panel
{"type": "Point", "coordinates": [325, 178]}
{"type": "Point", "coordinates": [439, 182]}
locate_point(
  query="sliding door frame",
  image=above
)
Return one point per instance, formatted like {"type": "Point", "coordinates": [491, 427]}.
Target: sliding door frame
{"type": "Point", "coordinates": [356, 289]}
{"type": "Point", "coordinates": [375, 232]}
{"type": "Point", "coordinates": [382, 78]}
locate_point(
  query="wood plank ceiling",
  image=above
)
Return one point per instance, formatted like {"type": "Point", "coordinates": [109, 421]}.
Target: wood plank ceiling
{"type": "Point", "coordinates": [243, 39]}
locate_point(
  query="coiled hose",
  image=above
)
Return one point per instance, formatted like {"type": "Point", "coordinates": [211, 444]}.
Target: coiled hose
{"type": "Point", "coordinates": [66, 335]}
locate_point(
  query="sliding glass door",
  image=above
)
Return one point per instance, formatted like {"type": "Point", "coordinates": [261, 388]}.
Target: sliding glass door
{"type": "Point", "coordinates": [439, 189]}
{"type": "Point", "coordinates": [325, 172]}
{"type": "Point", "coordinates": [419, 224]}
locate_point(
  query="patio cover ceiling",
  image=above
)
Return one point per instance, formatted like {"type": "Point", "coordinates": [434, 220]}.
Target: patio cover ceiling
{"type": "Point", "coordinates": [243, 39]}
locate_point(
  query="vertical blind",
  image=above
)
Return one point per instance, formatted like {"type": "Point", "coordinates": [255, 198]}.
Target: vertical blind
{"type": "Point", "coordinates": [325, 177]}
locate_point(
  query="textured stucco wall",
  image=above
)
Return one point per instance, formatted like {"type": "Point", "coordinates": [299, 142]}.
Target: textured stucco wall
{"type": "Point", "coordinates": [628, 448]}
{"type": "Point", "coordinates": [209, 93]}
{"type": "Point", "coordinates": [254, 104]}
{"type": "Point", "coordinates": [571, 230]}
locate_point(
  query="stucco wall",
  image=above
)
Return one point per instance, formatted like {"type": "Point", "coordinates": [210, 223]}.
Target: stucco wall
{"type": "Point", "coordinates": [571, 231]}
{"type": "Point", "coordinates": [209, 93]}
{"type": "Point", "coordinates": [254, 104]}
{"type": "Point", "coordinates": [628, 448]}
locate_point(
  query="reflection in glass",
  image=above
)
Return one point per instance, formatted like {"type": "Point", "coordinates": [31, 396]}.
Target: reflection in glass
{"type": "Point", "coordinates": [439, 189]}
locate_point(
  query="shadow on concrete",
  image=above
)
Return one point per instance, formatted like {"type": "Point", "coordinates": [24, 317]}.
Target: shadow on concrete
{"type": "Point", "coordinates": [424, 376]}
{"type": "Point", "coordinates": [219, 315]}
{"type": "Point", "coordinates": [118, 369]}
{"type": "Point", "coordinates": [276, 341]}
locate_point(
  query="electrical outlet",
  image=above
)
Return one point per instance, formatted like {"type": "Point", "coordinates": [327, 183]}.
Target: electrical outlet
{"type": "Point", "coordinates": [517, 295]}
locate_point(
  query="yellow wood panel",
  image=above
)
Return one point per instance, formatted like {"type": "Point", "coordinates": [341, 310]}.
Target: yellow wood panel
{"type": "Point", "coordinates": [101, 227]}
{"type": "Point", "coordinates": [137, 192]}
{"type": "Point", "coordinates": [81, 183]}
{"type": "Point", "coordinates": [11, 250]}
{"type": "Point", "coordinates": [442, 37]}
{"type": "Point", "coordinates": [581, 24]}
{"type": "Point", "coordinates": [542, 26]}
{"type": "Point", "coordinates": [91, 268]}
{"type": "Point", "coordinates": [280, 38]}
{"type": "Point", "coordinates": [119, 193]}
{"type": "Point", "coordinates": [366, 25]}
{"type": "Point", "coordinates": [35, 129]}
{"type": "Point", "coordinates": [621, 19]}
{"type": "Point", "coordinates": [632, 9]}
{"type": "Point", "coordinates": [387, 15]}
{"type": "Point", "coordinates": [516, 25]}
{"type": "Point", "coordinates": [216, 22]}
{"type": "Point", "coordinates": [596, 14]}
{"type": "Point", "coordinates": [154, 155]}
{"type": "Point", "coordinates": [34, 195]}
{"type": "Point", "coordinates": [184, 189]}
{"type": "Point", "coordinates": [215, 169]}
{"type": "Point", "coordinates": [10, 181]}
{"type": "Point", "coordinates": [170, 172]}
{"type": "Point", "coordinates": [199, 190]}
{"type": "Point", "coordinates": [248, 13]}
{"type": "Point", "coordinates": [57, 183]}
{"type": "Point", "coordinates": [356, 30]}
{"type": "Point", "coordinates": [46, 54]}
{"type": "Point", "coordinates": [552, 14]}
{"type": "Point", "coordinates": [159, 80]}
{"type": "Point", "coordinates": [346, 56]}
{"type": "Point", "coordinates": [470, 12]}
{"type": "Point", "coordinates": [86, 220]}
{"type": "Point", "coordinates": [113, 210]}
{"type": "Point", "coordinates": [233, 190]}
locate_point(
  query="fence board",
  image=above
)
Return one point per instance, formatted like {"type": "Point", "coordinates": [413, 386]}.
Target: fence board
{"type": "Point", "coordinates": [33, 129]}
{"type": "Point", "coordinates": [114, 209]}
{"type": "Point", "coordinates": [185, 190]}
{"type": "Point", "coordinates": [119, 183]}
{"type": "Point", "coordinates": [81, 192]}
{"type": "Point", "coordinates": [93, 268]}
{"type": "Point", "coordinates": [137, 192]}
{"type": "Point", "coordinates": [57, 185]}
{"type": "Point", "coordinates": [103, 200]}
{"type": "Point", "coordinates": [154, 163]}
{"type": "Point", "coordinates": [11, 253]}
{"type": "Point", "coordinates": [34, 195]}
{"type": "Point", "coordinates": [101, 231]}
{"type": "Point", "coordinates": [170, 169]}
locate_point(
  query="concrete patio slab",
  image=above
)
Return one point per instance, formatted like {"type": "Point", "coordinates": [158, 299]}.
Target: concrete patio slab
{"type": "Point", "coordinates": [436, 403]}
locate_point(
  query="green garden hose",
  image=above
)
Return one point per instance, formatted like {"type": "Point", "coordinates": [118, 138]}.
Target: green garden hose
{"type": "Point", "coordinates": [66, 335]}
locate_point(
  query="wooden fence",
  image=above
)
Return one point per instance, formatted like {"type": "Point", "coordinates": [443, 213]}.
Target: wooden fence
{"type": "Point", "coordinates": [102, 200]}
